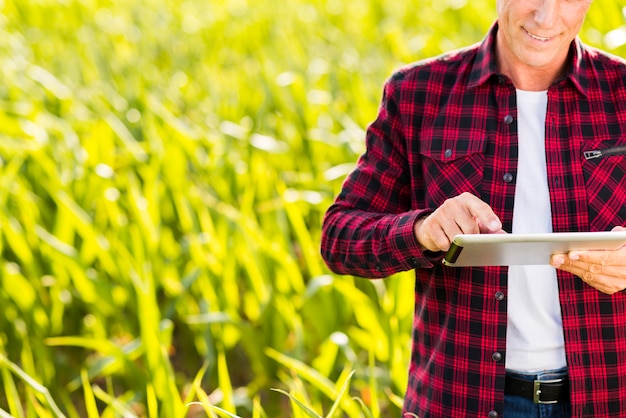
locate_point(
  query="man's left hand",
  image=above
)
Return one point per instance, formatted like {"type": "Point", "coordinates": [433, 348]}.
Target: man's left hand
{"type": "Point", "coordinates": [603, 270]}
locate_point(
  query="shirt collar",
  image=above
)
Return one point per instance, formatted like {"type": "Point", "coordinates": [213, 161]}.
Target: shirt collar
{"type": "Point", "coordinates": [578, 72]}
{"type": "Point", "coordinates": [485, 65]}
{"type": "Point", "coordinates": [485, 62]}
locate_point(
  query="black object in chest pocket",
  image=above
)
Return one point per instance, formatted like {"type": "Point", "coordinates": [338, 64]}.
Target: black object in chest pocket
{"type": "Point", "coordinates": [604, 168]}
{"type": "Point", "coordinates": [600, 153]}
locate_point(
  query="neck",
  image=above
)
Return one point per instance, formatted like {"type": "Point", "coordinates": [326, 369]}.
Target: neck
{"type": "Point", "coordinates": [531, 79]}
{"type": "Point", "coordinates": [528, 77]}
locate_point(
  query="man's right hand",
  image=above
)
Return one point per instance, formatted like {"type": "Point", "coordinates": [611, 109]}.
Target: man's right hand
{"type": "Point", "coordinates": [463, 214]}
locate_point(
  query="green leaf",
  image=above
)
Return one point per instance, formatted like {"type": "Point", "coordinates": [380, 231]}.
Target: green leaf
{"type": "Point", "coordinates": [302, 406]}
{"type": "Point", "coordinates": [342, 392]}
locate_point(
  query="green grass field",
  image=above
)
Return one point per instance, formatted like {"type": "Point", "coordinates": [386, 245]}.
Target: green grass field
{"type": "Point", "coordinates": [164, 169]}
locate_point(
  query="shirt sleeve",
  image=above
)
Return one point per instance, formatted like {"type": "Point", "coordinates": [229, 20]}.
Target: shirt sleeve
{"type": "Point", "coordinates": [368, 230]}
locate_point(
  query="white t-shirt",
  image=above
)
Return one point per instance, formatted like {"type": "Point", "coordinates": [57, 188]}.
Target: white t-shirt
{"type": "Point", "coordinates": [534, 336]}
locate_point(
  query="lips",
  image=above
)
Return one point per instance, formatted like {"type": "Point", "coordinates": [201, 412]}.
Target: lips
{"type": "Point", "coordinates": [537, 37]}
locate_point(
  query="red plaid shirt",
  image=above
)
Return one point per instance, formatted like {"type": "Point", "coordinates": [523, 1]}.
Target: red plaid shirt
{"type": "Point", "coordinates": [448, 125]}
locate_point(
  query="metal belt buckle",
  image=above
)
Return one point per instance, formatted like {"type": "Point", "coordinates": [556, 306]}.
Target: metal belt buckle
{"type": "Point", "coordinates": [537, 391]}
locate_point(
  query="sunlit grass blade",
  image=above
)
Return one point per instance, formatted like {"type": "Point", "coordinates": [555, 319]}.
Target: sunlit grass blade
{"type": "Point", "coordinates": [12, 396]}
{"type": "Point", "coordinates": [308, 411]}
{"type": "Point", "coordinates": [126, 137]}
{"type": "Point", "coordinates": [344, 389]}
{"type": "Point", "coordinates": [196, 383]}
{"type": "Point", "coordinates": [36, 408]}
{"type": "Point", "coordinates": [367, 411]}
{"type": "Point", "coordinates": [220, 412]}
{"type": "Point", "coordinates": [224, 380]}
{"type": "Point", "coordinates": [118, 407]}
{"type": "Point", "coordinates": [398, 401]}
{"type": "Point", "coordinates": [152, 402]}
{"type": "Point", "coordinates": [113, 357]}
{"type": "Point", "coordinates": [90, 400]}
{"type": "Point", "coordinates": [5, 414]}
{"type": "Point", "coordinates": [34, 385]}
{"type": "Point", "coordinates": [373, 385]}
{"type": "Point", "coordinates": [305, 240]}
{"type": "Point", "coordinates": [320, 382]}
{"type": "Point", "coordinates": [203, 401]}
{"type": "Point", "coordinates": [307, 373]}
{"type": "Point", "coordinates": [257, 408]}
{"type": "Point", "coordinates": [16, 239]}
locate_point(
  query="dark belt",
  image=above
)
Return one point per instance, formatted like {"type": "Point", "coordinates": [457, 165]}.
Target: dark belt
{"type": "Point", "coordinates": [539, 391]}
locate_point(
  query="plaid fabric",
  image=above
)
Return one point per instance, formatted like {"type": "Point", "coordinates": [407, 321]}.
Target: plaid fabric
{"type": "Point", "coordinates": [448, 125]}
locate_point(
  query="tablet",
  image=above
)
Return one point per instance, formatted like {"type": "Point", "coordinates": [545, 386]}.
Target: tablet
{"type": "Point", "coordinates": [525, 249]}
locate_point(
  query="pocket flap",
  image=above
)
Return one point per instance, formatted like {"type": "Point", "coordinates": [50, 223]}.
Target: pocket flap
{"type": "Point", "coordinates": [448, 148]}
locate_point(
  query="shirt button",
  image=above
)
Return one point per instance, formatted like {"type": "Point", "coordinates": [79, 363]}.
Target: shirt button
{"type": "Point", "coordinates": [508, 119]}
{"type": "Point", "coordinates": [508, 177]}
{"type": "Point", "coordinates": [413, 261]}
{"type": "Point", "coordinates": [447, 153]}
{"type": "Point", "coordinates": [499, 296]}
{"type": "Point", "coordinates": [379, 268]}
{"type": "Point", "coordinates": [492, 414]}
{"type": "Point", "coordinates": [496, 356]}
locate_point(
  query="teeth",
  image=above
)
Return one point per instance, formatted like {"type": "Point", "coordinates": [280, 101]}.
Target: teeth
{"type": "Point", "coordinates": [539, 38]}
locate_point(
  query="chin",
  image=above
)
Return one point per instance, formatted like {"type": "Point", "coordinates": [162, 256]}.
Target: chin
{"type": "Point", "coordinates": [538, 61]}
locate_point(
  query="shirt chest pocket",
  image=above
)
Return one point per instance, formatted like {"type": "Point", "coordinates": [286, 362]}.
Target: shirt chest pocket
{"type": "Point", "coordinates": [604, 168]}
{"type": "Point", "coordinates": [450, 165]}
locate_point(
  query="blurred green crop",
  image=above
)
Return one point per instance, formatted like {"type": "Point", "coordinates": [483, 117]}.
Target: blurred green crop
{"type": "Point", "coordinates": [164, 169]}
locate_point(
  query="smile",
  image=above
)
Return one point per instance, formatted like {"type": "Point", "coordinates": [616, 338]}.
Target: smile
{"type": "Point", "coordinates": [539, 38]}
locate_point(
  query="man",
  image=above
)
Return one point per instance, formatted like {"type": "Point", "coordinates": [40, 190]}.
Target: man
{"type": "Point", "coordinates": [495, 138]}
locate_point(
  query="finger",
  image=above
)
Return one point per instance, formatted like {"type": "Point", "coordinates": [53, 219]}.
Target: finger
{"type": "Point", "coordinates": [594, 280]}
{"type": "Point", "coordinates": [584, 269]}
{"type": "Point", "coordinates": [557, 260]}
{"type": "Point", "coordinates": [483, 215]}
{"type": "Point", "coordinates": [439, 240]}
{"type": "Point", "coordinates": [605, 258]}
{"type": "Point", "coordinates": [431, 235]}
{"type": "Point", "coordinates": [450, 220]}
{"type": "Point", "coordinates": [456, 219]}
{"type": "Point", "coordinates": [463, 214]}
{"type": "Point", "coordinates": [605, 284]}
{"type": "Point", "coordinates": [607, 279]}
{"type": "Point", "coordinates": [467, 214]}
{"type": "Point", "coordinates": [573, 269]}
